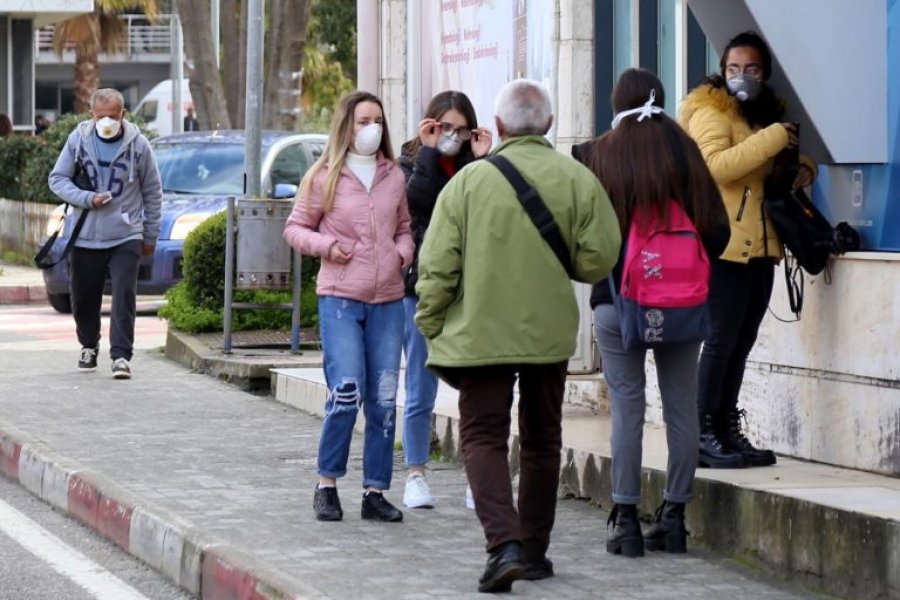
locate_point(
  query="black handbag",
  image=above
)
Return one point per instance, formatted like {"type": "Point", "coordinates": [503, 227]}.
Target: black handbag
{"type": "Point", "coordinates": [805, 232]}
{"type": "Point", "coordinates": [82, 181]}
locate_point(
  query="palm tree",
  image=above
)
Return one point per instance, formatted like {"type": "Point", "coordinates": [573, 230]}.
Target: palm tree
{"type": "Point", "coordinates": [92, 33]}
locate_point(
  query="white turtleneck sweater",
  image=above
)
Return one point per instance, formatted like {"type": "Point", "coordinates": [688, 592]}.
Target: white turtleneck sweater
{"type": "Point", "coordinates": [363, 167]}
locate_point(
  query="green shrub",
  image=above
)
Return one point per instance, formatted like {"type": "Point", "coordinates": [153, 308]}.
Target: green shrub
{"type": "Point", "coordinates": [14, 152]}
{"type": "Point", "coordinates": [197, 303]}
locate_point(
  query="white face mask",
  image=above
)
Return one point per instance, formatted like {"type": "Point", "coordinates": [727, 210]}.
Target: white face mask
{"type": "Point", "coordinates": [107, 127]}
{"type": "Point", "coordinates": [368, 139]}
{"type": "Point", "coordinates": [449, 146]}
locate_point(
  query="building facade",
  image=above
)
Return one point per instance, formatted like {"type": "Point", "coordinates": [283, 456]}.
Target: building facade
{"type": "Point", "coordinates": [826, 388]}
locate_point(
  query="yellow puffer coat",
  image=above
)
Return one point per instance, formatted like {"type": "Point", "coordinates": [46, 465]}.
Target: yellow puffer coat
{"type": "Point", "coordinates": [739, 158]}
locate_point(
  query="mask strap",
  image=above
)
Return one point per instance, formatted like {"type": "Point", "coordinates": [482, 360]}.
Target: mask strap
{"type": "Point", "coordinates": [647, 110]}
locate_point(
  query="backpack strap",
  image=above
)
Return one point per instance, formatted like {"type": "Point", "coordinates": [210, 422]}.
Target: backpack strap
{"type": "Point", "coordinates": [537, 211]}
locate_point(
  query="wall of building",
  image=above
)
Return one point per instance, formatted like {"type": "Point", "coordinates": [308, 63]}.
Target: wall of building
{"type": "Point", "coordinates": [826, 388]}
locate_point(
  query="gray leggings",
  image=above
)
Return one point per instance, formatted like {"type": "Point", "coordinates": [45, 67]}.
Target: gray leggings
{"type": "Point", "coordinates": [676, 368]}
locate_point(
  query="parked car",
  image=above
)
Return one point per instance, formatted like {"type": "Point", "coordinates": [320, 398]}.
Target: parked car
{"type": "Point", "coordinates": [199, 170]}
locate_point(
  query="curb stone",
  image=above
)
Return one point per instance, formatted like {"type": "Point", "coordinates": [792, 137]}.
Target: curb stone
{"type": "Point", "coordinates": [202, 565]}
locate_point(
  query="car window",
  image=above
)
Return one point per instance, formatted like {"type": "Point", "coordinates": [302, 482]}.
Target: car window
{"type": "Point", "coordinates": [290, 165]}
{"type": "Point", "coordinates": [316, 149]}
{"type": "Point", "coordinates": [201, 168]}
{"type": "Point", "coordinates": [147, 110]}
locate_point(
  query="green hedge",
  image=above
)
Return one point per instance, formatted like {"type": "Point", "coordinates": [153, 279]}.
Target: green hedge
{"type": "Point", "coordinates": [196, 304]}
{"type": "Point", "coordinates": [34, 157]}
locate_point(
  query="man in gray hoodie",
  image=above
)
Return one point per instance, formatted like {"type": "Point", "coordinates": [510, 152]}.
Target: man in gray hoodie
{"type": "Point", "coordinates": [121, 226]}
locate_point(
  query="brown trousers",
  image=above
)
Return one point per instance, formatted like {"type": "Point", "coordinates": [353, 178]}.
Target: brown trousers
{"type": "Point", "coordinates": [485, 398]}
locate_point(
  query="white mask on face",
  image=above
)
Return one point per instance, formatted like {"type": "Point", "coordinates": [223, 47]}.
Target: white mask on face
{"type": "Point", "coordinates": [107, 127]}
{"type": "Point", "coordinates": [368, 139]}
{"type": "Point", "coordinates": [449, 146]}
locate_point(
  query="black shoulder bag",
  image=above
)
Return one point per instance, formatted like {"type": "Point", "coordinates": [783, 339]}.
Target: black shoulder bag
{"type": "Point", "coordinates": [82, 181]}
{"type": "Point", "coordinates": [538, 212]}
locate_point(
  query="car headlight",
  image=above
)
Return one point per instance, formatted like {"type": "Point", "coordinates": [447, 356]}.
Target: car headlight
{"type": "Point", "coordinates": [186, 223]}
{"type": "Point", "coordinates": [53, 220]}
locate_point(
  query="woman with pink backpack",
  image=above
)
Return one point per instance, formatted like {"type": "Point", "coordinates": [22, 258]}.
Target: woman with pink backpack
{"type": "Point", "coordinates": [672, 220]}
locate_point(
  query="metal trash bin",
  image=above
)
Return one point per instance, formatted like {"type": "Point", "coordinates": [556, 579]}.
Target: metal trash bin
{"type": "Point", "coordinates": [263, 255]}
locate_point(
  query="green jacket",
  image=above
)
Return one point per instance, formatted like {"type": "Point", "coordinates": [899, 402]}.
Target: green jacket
{"type": "Point", "coordinates": [490, 289]}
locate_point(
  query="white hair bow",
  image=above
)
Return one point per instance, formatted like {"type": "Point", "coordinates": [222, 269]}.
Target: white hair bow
{"type": "Point", "coordinates": [647, 110]}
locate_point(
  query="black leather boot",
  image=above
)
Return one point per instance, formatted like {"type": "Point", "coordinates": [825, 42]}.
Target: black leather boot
{"type": "Point", "coordinates": [713, 452]}
{"type": "Point", "coordinates": [626, 538]}
{"type": "Point", "coordinates": [738, 442]}
{"type": "Point", "coordinates": [327, 504]}
{"type": "Point", "coordinates": [668, 532]}
{"type": "Point", "coordinates": [504, 565]}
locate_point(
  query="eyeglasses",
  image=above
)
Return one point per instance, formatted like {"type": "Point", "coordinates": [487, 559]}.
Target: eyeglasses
{"type": "Point", "coordinates": [751, 70]}
{"type": "Point", "coordinates": [464, 133]}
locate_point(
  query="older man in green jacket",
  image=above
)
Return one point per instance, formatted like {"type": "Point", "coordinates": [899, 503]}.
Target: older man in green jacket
{"type": "Point", "coordinates": [496, 303]}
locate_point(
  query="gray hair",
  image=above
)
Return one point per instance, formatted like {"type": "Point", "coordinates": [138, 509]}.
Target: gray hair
{"type": "Point", "coordinates": [105, 96]}
{"type": "Point", "coordinates": [524, 107]}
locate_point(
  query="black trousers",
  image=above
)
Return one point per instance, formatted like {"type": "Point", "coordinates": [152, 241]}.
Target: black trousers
{"type": "Point", "coordinates": [87, 275]}
{"type": "Point", "coordinates": [738, 298]}
{"type": "Point", "coordinates": [484, 427]}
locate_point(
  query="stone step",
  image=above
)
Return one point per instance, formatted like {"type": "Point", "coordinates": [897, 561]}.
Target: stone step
{"type": "Point", "coordinates": [831, 528]}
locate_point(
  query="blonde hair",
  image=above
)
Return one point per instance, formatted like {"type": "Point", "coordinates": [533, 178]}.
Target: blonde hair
{"type": "Point", "coordinates": [335, 153]}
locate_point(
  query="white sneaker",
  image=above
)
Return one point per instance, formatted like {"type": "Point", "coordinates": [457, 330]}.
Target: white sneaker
{"type": "Point", "coordinates": [417, 493]}
{"type": "Point", "coordinates": [470, 499]}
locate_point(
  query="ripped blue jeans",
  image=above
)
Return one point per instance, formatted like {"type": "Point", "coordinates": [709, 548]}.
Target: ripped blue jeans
{"type": "Point", "coordinates": [361, 344]}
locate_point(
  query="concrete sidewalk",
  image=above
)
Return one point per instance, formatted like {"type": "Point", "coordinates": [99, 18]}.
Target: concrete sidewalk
{"type": "Point", "coordinates": [213, 486]}
{"type": "Point", "coordinates": [21, 285]}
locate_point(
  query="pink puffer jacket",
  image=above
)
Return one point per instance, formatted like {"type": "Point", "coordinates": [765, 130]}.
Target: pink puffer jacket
{"type": "Point", "coordinates": [373, 226]}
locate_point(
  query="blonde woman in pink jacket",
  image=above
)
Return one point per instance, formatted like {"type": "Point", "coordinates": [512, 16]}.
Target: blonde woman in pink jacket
{"type": "Point", "coordinates": [351, 212]}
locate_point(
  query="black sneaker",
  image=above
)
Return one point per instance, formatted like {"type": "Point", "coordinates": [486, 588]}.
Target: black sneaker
{"type": "Point", "coordinates": [88, 361]}
{"type": "Point", "coordinates": [327, 504]}
{"type": "Point", "coordinates": [121, 369]}
{"type": "Point", "coordinates": [376, 508]}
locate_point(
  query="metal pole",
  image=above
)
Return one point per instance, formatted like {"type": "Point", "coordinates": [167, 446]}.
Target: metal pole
{"type": "Point", "coordinates": [253, 144]}
{"type": "Point", "coordinates": [177, 73]}
{"type": "Point", "coordinates": [295, 315]}
{"type": "Point", "coordinates": [229, 277]}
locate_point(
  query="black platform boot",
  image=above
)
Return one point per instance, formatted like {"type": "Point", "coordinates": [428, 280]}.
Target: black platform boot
{"type": "Point", "coordinates": [738, 442]}
{"type": "Point", "coordinates": [668, 532]}
{"type": "Point", "coordinates": [713, 452]}
{"type": "Point", "coordinates": [626, 538]}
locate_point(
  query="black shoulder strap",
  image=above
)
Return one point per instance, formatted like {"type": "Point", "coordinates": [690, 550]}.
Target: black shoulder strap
{"type": "Point", "coordinates": [537, 211]}
{"type": "Point", "coordinates": [48, 245]}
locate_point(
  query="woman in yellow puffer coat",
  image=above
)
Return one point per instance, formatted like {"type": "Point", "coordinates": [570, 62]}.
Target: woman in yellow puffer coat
{"type": "Point", "coordinates": [735, 119]}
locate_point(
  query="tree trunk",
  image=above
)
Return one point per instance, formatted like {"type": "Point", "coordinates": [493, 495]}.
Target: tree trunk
{"type": "Point", "coordinates": [287, 40]}
{"type": "Point", "coordinates": [206, 84]}
{"type": "Point", "coordinates": [86, 75]}
{"type": "Point", "coordinates": [231, 45]}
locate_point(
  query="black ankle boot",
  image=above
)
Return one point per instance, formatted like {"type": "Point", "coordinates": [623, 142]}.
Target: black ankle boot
{"type": "Point", "coordinates": [626, 538]}
{"type": "Point", "coordinates": [668, 532]}
{"type": "Point", "coordinates": [738, 442]}
{"type": "Point", "coordinates": [713, 452]}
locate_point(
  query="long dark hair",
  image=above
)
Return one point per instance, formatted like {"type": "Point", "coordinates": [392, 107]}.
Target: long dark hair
{"type": "Point", "coordinates": [6, 127]}
{"type": "Point", "coordinates": [441, 103]}
{"type": "Point", "coordinates": [646, 163]}
{"type": "Point", "coordinates": [766, 108]}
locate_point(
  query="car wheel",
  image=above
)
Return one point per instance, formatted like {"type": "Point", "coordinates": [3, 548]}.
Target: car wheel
{"type": "Point", "coordinates": [61, 302]}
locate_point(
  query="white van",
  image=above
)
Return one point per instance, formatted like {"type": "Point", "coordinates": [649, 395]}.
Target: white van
{"type": "Point", "coordinates": [156, 107]}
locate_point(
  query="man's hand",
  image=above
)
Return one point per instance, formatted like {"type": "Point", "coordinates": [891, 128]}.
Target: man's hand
{"type": "Point", "coordinates": [101, 199]}
{"type": "Point", "coordinates": [147, 249]}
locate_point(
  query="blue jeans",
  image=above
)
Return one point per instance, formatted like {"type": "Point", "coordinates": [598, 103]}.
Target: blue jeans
{"type": "Point", "coordinates": [421, 390]}
{"type": "Point", "coordinates": [361, 344]}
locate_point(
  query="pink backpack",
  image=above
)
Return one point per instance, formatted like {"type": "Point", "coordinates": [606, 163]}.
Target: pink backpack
{"type": "Point", "coordinates": [665, 282]}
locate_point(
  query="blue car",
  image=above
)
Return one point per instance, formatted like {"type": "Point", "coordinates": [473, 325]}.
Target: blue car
{"type": "Point", "coordinates": [199, 170]}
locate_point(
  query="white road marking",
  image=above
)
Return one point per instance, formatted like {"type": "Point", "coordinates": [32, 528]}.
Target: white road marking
{"type": "Point", "coordinates": [64, 559]}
